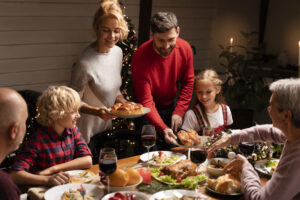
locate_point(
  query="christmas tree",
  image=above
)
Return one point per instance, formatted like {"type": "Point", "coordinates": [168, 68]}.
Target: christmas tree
{"type": "Point", "coordinates": [128, 46]}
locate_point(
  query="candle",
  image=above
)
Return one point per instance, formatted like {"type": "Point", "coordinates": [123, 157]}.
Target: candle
{"type": "Point", "coordinates": [231, 42]}
{"type": "Point", "coordinates": [299, 59]}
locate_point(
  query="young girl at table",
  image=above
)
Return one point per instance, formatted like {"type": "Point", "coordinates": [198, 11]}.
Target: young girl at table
{"type": "Point", "coordinates": [57, 146]}
{"type": "Point", "coordinates": [208, 115]}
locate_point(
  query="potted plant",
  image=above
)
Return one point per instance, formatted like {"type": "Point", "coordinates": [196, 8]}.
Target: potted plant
{"type": "Point", "coordinates": [244, 88]}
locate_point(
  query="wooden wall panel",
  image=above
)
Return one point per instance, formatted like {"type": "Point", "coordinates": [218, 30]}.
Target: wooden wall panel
{"type": "Point", "coordinates": [41, 39]}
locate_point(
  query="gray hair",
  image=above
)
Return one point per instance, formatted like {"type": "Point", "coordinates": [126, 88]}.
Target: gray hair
{"type": "Point", "coordinates": [287, 93]}
{"type": "Point", "coordinates": [162, 22]}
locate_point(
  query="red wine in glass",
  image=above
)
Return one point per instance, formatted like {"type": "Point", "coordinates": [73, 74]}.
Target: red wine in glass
{"type": "Point", "coordinates": [148, 141]}
{"type": "Point", "coordinates": [198, 156]}
{"type": "Point", "coordinates": [107, 166]}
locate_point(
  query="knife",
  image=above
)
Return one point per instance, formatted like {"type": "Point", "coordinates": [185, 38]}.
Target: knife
{"type": "Point", "coordinates": [140, 163]}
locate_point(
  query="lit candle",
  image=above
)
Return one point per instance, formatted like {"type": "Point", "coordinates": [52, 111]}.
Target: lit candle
{"type": "Point", "coordinates": [231, 43]}
{"type": "Point", "coordinates": [299, 59]}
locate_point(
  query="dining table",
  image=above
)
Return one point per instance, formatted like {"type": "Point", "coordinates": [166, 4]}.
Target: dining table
{"type": "Point", "coordinates": [36, 193]}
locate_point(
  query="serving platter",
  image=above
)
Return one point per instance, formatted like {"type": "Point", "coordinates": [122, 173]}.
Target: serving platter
{"type": "Point", "coordinates": [202, 145]}
{"type": "Point", "coordinates": [261, 166]}
{"type": "Point", "coordinates": [145, 111]}
{"type": "Point", "coordinates": [222, 195]}
{"type": "Point", "coordinates": [81, 176]}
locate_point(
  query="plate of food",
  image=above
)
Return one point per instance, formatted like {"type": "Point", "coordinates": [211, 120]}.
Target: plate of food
{"type": "Point", "coordinates": [178, 194]}
{"type": "Point", "coordinates": [125, 195]}
{"type": "Point", "coordinates": [182, 173]}
{"type": "Point", "coordinates": [81, 176]}
{"type": "Point", "coordinates": [72, 191]}
{"type": "Point", "coordinates": [190, 138]}
{"type": "Point", "coordinates": [162, 158]}
{"type": "Point", "coordinates": [129, 110]}
{"type": "Point", "coordinates": [215, 166]}
{"type": "Point", "coordinates": [266, 167]}
{"type": "Point", "coordinates": [226, 185]}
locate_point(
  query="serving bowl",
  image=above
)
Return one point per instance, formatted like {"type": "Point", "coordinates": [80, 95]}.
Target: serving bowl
{"type": "Point", "coordinates": [216, 171]}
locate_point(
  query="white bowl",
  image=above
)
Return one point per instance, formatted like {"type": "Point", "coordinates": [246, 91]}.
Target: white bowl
{"type": "Point", "coordinates": [216, 172]}
{"type": "Point", "coordinates": [139, 195]}
{"type": "Point", "coordinates": [125, 188]}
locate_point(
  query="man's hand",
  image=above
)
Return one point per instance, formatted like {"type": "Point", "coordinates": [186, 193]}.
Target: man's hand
{"type": "Point", "coordinates": [58, 179]}
{"type": "Point", "coordinates": [169, 136]}
{"type": "Point", "coordinates": [222, 142]}
{"type": "Point", "coordinates": [103, 112]}
{"type": "Point", "coordinates": [176, 122]}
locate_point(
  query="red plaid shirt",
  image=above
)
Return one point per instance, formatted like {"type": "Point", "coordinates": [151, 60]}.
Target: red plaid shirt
{"type": "Point", "coordinates": [46, 148]}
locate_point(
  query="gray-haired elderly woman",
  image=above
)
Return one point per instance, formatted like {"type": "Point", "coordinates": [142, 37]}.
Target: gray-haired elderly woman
{"type": "Point", "coordinates": [284, 110]}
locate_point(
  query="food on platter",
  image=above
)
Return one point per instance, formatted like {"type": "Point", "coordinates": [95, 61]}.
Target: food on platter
{"type": "Point", "coordinates": [266, 167]}
{"type": "Point", "coordinates": [82, 177]}
{"type": "Point", "coordinates": [272, 164]}
{"type": "Point", "coordinates": [133, 175]}
{"type": "Point", "coordinates": [182, 169]}
{"type": "Point", "coordinates": [75, 195]}
{"type": "Point", "coordinates": [189, 137]}
{"type": "Point", "coordinates": [226, 184]}
{"type": "Point", "coordinates": [215, 166]}
{"type": "Point", "coordinates": [127, 108]}
{"type": "Point", "coordinates": [178, 194]}
{"type": "Point", "coordinates": [181, 173]}
{"type": "Point", "coordinates": [121, 178]}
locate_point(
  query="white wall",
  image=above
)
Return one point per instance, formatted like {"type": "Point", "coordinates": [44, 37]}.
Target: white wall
{"type": "Point", "coordinates": [40, 39]}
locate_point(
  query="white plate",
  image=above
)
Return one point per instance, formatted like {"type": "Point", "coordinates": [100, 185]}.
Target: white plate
{"type": "Point", "coordinates": [262, 168]}
{"type": "Point", "coordinates": [144, 157]}
{"type": "Point", "coordinates": [145, 111]}
{"type": "Point", "coordinates": [139, 195]}
{"type": "Point", "coordinates": [56, 192]}
{"type": "Point", "coordinates": [177, 193]}
{"type": "Point", "coordinates": [77, 172]}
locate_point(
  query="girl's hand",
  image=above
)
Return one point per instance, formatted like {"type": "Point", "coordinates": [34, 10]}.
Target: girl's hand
{"type": "Point", "coordinates": [222, 142]}
{"type": "Point", "coordinates": [103, 112]}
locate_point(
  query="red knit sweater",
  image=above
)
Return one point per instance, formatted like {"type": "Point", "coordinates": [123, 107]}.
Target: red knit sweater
{"type": "Point", "coordinates": [156, 78]}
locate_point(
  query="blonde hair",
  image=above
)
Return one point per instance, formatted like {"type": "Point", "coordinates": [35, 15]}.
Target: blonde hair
{"type": "Point", "coordinates": [212, 76]}
{"type": "Point", "coordinates": [55, 102]}
{"type": "Point", "coordinates": [110, 9]}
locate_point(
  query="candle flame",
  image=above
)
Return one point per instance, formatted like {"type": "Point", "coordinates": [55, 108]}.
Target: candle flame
{"type": "Point", "coordinates": [299, 43]}
{"type": "Point", "coordinates": [231, 40]}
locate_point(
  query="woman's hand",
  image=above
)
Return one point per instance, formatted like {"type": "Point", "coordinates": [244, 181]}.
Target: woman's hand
{"type": "Point", "coordinates": [222, 142]}
{"type": "Point", "coordinates": [103, 112]}
{"type": "Point", "coordinates": [236, 165]}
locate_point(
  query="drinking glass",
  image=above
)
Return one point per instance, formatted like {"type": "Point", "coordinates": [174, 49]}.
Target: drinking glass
{"type": "Point", "coordinates": [107, 162]}
{"type": "Point", "coordinates": [148, 137]}
{"type": "Point", "coordinates": [198, 155]}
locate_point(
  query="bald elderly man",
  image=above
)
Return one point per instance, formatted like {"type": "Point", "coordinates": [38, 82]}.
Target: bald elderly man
{"type": "Point", "coordinates": [13, 115]}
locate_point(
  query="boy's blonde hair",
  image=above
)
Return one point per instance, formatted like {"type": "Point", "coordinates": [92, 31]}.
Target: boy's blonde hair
{"type": "Point", "coordinates": [55, 102]}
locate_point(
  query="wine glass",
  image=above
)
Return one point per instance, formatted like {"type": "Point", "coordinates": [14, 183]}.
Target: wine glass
{"type": "Point", "coordinates": [198, 155]}
{"type": "Point", "coordinates": [107, 162]}
{"type": "Point", "coordinates": [148, 137]}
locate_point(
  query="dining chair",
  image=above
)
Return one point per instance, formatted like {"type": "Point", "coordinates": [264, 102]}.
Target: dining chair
{"type": "Point", "coordinates": [126, 143]}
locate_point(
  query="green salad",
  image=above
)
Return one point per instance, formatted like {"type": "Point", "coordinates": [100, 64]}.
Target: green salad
{"type": "Point", "coordinates": [166, 160]}
{"type": "Point", "coordinates": [272, 163]}
{"type": "Point", "coordinates": [189, 182]}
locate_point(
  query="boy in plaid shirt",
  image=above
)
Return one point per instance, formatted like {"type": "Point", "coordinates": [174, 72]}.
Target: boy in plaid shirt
{"type": "Point", "coordinates": [57, 146]}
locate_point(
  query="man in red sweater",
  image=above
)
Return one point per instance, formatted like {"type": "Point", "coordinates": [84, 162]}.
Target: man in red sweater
{"type": "Point", "coordinates": [159, 67]}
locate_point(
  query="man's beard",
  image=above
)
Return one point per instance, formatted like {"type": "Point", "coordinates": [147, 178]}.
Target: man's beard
{"type": "Point", "coordinates": [162, 52]}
